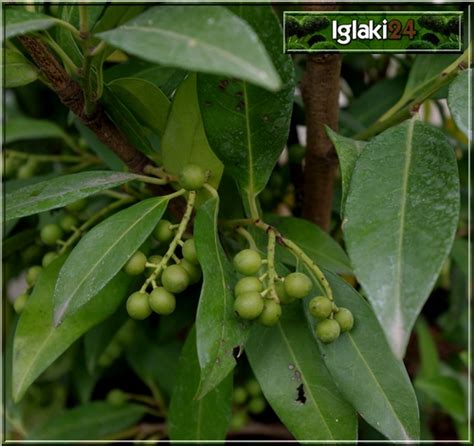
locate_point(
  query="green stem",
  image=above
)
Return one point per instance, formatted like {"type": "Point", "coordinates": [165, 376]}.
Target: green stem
{"type": "Point", "coordinates": [160, 173]}
{"type": "Point", "coordinates": [174, 243]}
{"type": "Point", "coordinates": [252, 205]}
{"type": "Point", "coordinates": [247, 236]}
{"type": "Point", "coordinates": [92, 221]}
{"type": "Point", "coordinates": [52, 158]}
{"type": "Point", "coordinates": [272, 275]}
{"type": "Point", "coordinates": [404, 108]}
{"type": "Point", "coordinates": [67, 61]}
{"type": "Point", "coordinates": [69, 27]}
{"type": "Point", "coordinates": [99, 48]}
{"type": "Point", "coordinates": [83, 21]}
{"type": "Point", "coordinates": [151, 180]}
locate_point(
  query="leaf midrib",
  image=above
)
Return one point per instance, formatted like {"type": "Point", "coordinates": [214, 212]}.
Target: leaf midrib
{"type": "Point", "coordinates": [308, 388]}
{"type": "Point", "coordinates": [60, 314]}
{"type": "Point", "coordinates": [377, 383]}
{"type": "Point", "coordinates": [224, 53]}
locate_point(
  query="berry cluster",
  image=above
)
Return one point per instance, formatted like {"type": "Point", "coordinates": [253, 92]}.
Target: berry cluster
{"type": "Point", "coordinates": [173, 279]}
{"type": "Point", "coordinates": [248, 399]}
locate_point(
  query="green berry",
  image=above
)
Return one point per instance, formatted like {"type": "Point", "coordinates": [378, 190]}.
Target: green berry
{"type": "Point", "coordinates": [240, 395]}
{"type": "Point", "coordinates": [247, 284]}
{"type": "Point", "coordinates": [50, 234]}
{"type": "Point", "coordinates": [328, 330]}
{"type": "Point", "coordinates": [297, 285]}
{"type": "Point", "coordinates": [27, 170]}
{"type": "Point", "coordinates": [136, 264]}
{"type": "Point", "coordinates": [32, 274]}
{"type": "Point", "coordinates": [163, 231]}
{"type": "Point", "coordinates": [77, 206]}
{"type": "Point", "coordinates": [247, 262]}
{"type": "Point", "coordinates": [271, 313]}
{"type": "Point", "coordinates": [68, 223]}
{"type": "Point", "coordinates": [192, 177]}
{"type": "Point", "coordinates": [249, 305]}
{"type": "Point", "coordinates": [282, 294]}
{"type": "Point", "coordinates": [175, 279]}
{"type": "Point", "coordinates": [320, 307]}
{"type": "Point", "coordinates": [116, 397]}
{"type": "Point", "coordinates": [253, 387]}
{"type": "Point", "coordinates": [257, 405]}
{"type": "Point", "coordinates": [137, 306]}
{"type": "Point", "coordinates": [238, 421]}
{"type": "Point", "coordinates": [20, 302]}
{"type": "Point", "coordinates": [194, 272]}
{"type": "Point", "coordinates": [189, 251]}
{"type": "Point", "coordinates": [48, 258]}
{"type": "Point", "coordinates": [30, 254]}
{"type": "Point", "coordinates": [162, 301]}
{"type": "Point", "coordinates": [345, 319]}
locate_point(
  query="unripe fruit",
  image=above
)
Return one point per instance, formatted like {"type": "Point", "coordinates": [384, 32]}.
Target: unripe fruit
{"type": "Point", "coordinates": [320, 307]}
{"type": "Point", "coordinates": [192, 177]}
{"type": "Point", "coordinates": [163, 231]}
{"type": "Point", "coordinates": [257, 405]}
{"type": "Point", "coordinates": [136, 264]}
{"type": "Point", "coordinates": [271, 313]}
{"type": "Point", "coordinates": [32, 274]}
{"type": "Point", "coordinates": [282, 294]}
{"type": "Point", "coordinates": [238, 421]}
{"type": "Point", "coordinates": [175, 279]}
{"type": "Point", "coordinates": [68, 223]}
{"type": "Point", "coordinates": [247, 262]}
{"type": "Point", "coordinates": [137, 306]}
{"type": "Point", "coordinates": [77, 206]}
{"type": "Point", "coordinates": [253, 387]}
{"type": "Point", "coordinates": [248, 305]}
{"type": "Point", "coordinates": [162, 301]}
{"type": "Point", "coordinates": [247, 284]}
{"type": "Point", "coordinates": [20, 302]}
{"type": "Point", "coordinates": [26, 171]}
{"type": "Point", "coordinates": [194, 272]}
{"type": "Point", "coordinates": [116, 397]}
{"type": "Point", "coordinates": [30, 254]}
{"type": "Point", "coordinates": [345, 319]}
{"type": "Point", "coordinates": [189, 251]}
{"type": "Point", "coordinates": [328, 330]}
{"type": "Point", "coordinates": [297, 285]}
{"type": "Point", "coordinates": [50, 234]}
{"type": "Point", "coordinates": [48, 258]}
{"type": "Point", "coordinates": [240, 395]}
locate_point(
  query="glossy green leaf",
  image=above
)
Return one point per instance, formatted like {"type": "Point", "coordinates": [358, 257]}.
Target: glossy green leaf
{"type": "Point", "coordinates": [146, 101]}
{"type": "Point", "coordinates": [447, 392]}
{"type": "Point", "coordinates": [102, 252]}
{"type": "Point", "coordinates": [184, 141]}
{"type": "Point", "coordinates": [21, 129]}
{"type": "Point", "coordinates": [83, 380]}
{"type": "Point", "coordinates": [348, 151]}
{"type": "Point", "coordinates": [295, 381]}
{"type": "Point", "coordinates": [197, 38]}
{"type": "Point", "coordinates": [116, 14]}
{"type": "Point", "coordinates": [401, 216]}
{"type": "Point", "coordinates": [93, 421]}
{"type": "Point", "coordinates": [460, 103]}
{"type": "Point", "coordinates": [18, 70]}
{"type": "Point", "coordinates": [127, 122]}
{"type": "Point", "coordinates": [315, 242]}
{"type": "Point", "coordinates": [247, 127]}
{"type": "Point", "coordinates": [60, 191]}
{"type": "Point", "coordinates": [207, 418]}
{"type": "Point", "coordinates": [166, 79]}
{"type": "Point", "coordinates": [218, 330]}
{"type": "Point", "coordinates": [366, 371]}
{"type": "Point", "coordinates": [38, 342]}
{"type": "Point", "coordinates": [429, 360]}
{"type": "Point", "coordinates": [20, 21]}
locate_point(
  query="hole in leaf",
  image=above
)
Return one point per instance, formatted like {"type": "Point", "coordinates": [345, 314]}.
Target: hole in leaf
{"type": "Point", "coordinates": [236, 352]}
{"type": "Point", "coordinates": [301, 398]}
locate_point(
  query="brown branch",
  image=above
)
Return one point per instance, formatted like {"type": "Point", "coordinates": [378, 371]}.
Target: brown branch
{"type": "Point", "coordinates": [71, 95]}
{"type": "Point", "coordinates": [320, 91]}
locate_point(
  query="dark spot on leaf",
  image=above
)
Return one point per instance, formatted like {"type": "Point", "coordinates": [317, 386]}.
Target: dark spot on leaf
{"type": "Point", "coordinates": [239, 93]}
{"type": "Point", "coordinates": [207, 103]}
{"type": "Point", "coordinates": [266, 118]}
{"type": "Point", "coordinates": [223, 84]}
{"type": "Point", "coordinates": [301, 398]}
{"type": "Point", "coordinates": [240, 106]}
{"type": "Point", "coordinates": [237, 351]}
